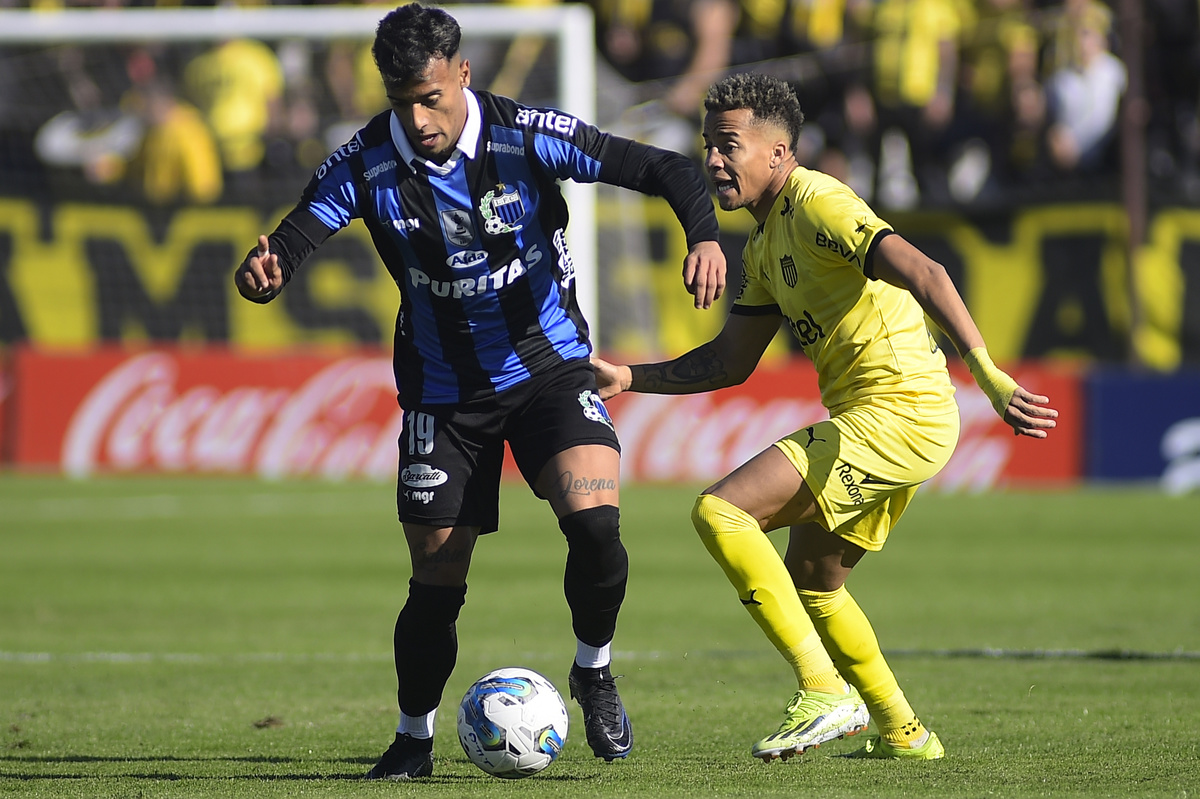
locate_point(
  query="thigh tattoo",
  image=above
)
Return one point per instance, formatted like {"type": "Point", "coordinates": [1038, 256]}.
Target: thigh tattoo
{"type": "Point", "coordinates": [571, 485]}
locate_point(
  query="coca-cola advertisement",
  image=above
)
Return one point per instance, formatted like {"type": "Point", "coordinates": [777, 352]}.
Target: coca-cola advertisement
{"type": "Point", "coordinates": [702, 437]}
{"type": "Point", "coordinates": [336, 417]}
{"type": "Point", "coordinates": [207, 412]}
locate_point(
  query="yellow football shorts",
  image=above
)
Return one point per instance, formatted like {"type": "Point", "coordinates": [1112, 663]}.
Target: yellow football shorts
{"type": "Point", "coordinates": [865, 464]}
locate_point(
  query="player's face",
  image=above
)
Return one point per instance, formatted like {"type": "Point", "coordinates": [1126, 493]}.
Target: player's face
{"type": "Point", "coordinates": [741, 157]}
{"type": "Point", "coordinates": [432, 108]}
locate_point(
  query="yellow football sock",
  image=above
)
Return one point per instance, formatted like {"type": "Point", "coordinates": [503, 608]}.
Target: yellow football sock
{"type": "Point", "coordinates": [765, 588]}
{"type": "Point", "coordinates": [849, 638]}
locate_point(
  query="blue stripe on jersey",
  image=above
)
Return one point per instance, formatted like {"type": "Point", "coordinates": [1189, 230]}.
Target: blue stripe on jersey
{"type": "Point", "coordinates": [336, 215]}
{"type": "Point", "coordinates": [513, 169]}
{"type": "Point", "coordinates": [566, 160]}
{"type": "Point", "coordinates": [489, 329]}
{"type": "Point", "coordinates": [424, 326]}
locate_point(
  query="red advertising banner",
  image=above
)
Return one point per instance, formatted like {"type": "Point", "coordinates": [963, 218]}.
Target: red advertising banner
{"type": "Point", "coordinates": [212, 411]}
{"type": "Point", "coordinates": [206, 411]}
{"type": "Point", "coordinates": [702, 437]}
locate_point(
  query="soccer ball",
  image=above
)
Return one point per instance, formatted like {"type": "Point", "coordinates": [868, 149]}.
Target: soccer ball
{"type": "Point", "coordinates": [512, 723]}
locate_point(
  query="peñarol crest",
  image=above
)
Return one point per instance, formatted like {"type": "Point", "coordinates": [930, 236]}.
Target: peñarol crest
{"type": "Point", "coordinates": [502, 210]}
{"type": "Point", "coordinates": [788, 267]}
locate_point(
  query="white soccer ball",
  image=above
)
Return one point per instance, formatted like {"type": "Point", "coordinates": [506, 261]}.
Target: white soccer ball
{"type": "Point", "coordinates": [512, 723]}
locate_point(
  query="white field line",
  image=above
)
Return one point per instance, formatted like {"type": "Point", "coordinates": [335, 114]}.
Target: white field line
{"type": "Point", "coordinates": [379, 501]}
{"type": "Point", "coordinates": [195, 658]}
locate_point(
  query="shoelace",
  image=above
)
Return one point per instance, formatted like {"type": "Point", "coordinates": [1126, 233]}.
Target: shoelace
{"type": "Point", "coordinates": [601, 696]}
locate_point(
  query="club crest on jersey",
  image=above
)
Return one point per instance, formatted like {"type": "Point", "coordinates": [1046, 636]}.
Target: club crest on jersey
{"type": "Point", "coordinates": [593, 408]}
{"type": "Point", "coordinates": [788, 267]}
{"type": "Point", "coordinates": [502, 210]}
{"type": "Point", "coordinates": [457, 227]}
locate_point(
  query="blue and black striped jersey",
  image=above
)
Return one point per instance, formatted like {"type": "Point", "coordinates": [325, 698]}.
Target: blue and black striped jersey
{"type": "Point", "coordinates": [477, 246]}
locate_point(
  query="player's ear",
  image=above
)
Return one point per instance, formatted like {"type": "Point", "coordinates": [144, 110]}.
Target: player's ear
{"type": "Point", "coordinates": [464, 73]}
{"type": "Point", "coordinates": [779, 153]}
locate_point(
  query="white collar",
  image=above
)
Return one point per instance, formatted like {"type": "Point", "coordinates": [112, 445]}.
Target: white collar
{"type": "Point", "coordinates": [468, 141]}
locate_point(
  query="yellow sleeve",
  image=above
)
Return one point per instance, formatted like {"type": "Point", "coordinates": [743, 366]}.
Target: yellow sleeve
{"type": "Point", "coordinates": [753, 291]}
{"type": "Point", "coordinates": [838, 227]}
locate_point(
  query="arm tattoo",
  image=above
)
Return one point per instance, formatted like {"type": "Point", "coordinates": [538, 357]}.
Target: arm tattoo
{"type": "Point", "coordinates": [699, 370]}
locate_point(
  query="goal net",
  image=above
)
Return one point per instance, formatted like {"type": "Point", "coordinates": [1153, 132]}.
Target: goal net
{"type": "Point", "coordinates": [107, 176]}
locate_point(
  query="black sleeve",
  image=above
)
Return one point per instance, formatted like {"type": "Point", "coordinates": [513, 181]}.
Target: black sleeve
{"type": "Point", "coordinates": [298, 234]}
{"type": "Point", "coordinates": [869, 264]}
{"type": "Point", "coordinates": [662, 173]}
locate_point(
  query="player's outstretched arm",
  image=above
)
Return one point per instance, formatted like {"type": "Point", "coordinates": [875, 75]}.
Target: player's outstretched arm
{"type": "Point", "coordinates": [727, 360]}
{"type": "Point", "coordinates": [901, 264]}
{"type": "Point", "coordinates": [677, 179]}
{"type": "Point", "coordinates": [260, 275]}
{"type": "Point", "coordinates": [704, 273]}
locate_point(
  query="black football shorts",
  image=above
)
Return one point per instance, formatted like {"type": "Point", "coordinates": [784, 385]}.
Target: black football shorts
{"type": "Point", "coordinates": [451, 455]}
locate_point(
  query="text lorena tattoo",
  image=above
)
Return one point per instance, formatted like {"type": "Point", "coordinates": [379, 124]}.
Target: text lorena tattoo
{"type": "Point", "coordinates": [429, 560]}
{"type": "Point", "coordinates": [569, 484]}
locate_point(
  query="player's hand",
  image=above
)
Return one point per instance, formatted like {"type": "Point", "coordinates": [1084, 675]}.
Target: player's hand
{"type": "Point", "coordinates": [704, 273]}
{"type": "Point", "coordinates": [1030, 414]}
{"type": "Point", "coordinates": [611, 379]}
{"type": "Point", "coordinates": [261, 274]}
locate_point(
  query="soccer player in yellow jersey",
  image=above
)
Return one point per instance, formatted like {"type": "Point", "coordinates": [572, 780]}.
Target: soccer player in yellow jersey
{"type": "Point", "coordinates": [855, 294]}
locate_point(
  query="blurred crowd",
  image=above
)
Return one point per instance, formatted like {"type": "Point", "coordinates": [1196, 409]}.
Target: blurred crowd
{"type": "Point", "coordinates": [914, 103]}
{"type": "Point", "coordinates": [935, 102]}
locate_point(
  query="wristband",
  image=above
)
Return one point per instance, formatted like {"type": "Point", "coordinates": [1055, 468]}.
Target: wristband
{"type": "Point", "coordinates": [996, 384]}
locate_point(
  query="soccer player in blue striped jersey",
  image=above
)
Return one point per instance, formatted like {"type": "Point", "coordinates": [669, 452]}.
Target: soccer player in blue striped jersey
{"type": "Point", "coordinates": [459, 191]}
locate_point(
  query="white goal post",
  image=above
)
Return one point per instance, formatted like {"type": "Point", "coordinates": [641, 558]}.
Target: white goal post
{"type": "Point", "coordinates": [571, 26]}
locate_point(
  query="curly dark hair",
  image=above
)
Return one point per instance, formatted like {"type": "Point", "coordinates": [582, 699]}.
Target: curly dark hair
{"type": "Point", "coordinates": [409, 37]}
{"type": "Point", "coordinates": [768, 98]}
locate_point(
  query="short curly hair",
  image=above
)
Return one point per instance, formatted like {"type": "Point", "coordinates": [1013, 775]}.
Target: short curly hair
{"type": "Point", "coordinates": [768, 98]}
{"type": "Point", "coordinates": [409, 37]}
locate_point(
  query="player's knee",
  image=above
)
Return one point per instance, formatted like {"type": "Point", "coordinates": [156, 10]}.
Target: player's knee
{"type": "Point", "coordinates": [432, 606]}
{"type": "Point", "coordinates": [592, 528]}
{"type": "Point", "coordinates": [594, 540]}
{"type": "Point", "coordinates": [822, 603]}
{"type": "Point", "coordinates": [706, 515]}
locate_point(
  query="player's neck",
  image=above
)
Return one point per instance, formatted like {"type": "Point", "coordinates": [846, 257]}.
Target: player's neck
{"type": "Point", "coordinates": [761, 210]}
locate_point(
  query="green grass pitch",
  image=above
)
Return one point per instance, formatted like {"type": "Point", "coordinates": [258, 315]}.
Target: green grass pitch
{"type": "Point", "coordinates": [232, 638]}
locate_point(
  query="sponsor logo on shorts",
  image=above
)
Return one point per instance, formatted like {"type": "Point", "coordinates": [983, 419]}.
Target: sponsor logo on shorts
{"type": "Point", "coordinates": [422, 475]}
{"type": "Point", "coordinates": [593, 408]}
{"type": "Point", "coordinates": [852, 488]}
{"type": "Point", "coordinates": [424, 497]}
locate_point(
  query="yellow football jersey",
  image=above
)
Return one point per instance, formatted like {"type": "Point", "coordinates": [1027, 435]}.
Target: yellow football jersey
{"type": "Point", "coordinates": [866, 337]}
